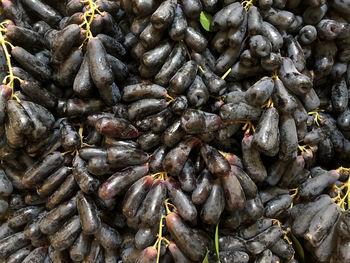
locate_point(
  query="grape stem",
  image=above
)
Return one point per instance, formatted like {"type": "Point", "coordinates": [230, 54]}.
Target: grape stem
{"type": "Point", "coordinates": [275, 75]}
{"type": "Point", "coordinates": [158, 243]}
{"type": "Point", "coordinates": [88, 17]}
{"type": "Point", "coordinates": [305, 148]}
{"type": "Point", "coordinates": [268, 104]}
{"type": "Point", "coordinates": [160, 238]}
{"type": "Point", "coordinates": [171, 99]}
{"type": "Point", "coordinates": [80, 131]}
{"type": "Point", "coordinates": [247, 4]}
{"type": "Point", "coordinates": [160, 175]}
{"type": "Point", "coordinates": [248, 125]}
{"type": "Point", "coordinates": [295, 190]}
{"type": "Point", "coordinates": [10, 78]}
{"type": "Point", "coordinates": [169, 205]}
{"type": "Point", "coordinates": [73, 153]}
{"type": "Point", "coordinates": [316, 115]}
{"type": "Point", "coordinates": [276, 221]}
{"type": "Point", "coordinates": [285, 235]}
{"type": "Point", "coordinates": [226, 73]}
{"type": "Point", "coordinates": [293, 195]}
{"type": "Point", "coordinates": [224, 154]}
{"type": "Point", "coordinates": [341, 200]}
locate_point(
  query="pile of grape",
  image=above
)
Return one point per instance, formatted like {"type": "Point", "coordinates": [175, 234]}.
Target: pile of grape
{"type": "Point", "coordinates": [158, 131]}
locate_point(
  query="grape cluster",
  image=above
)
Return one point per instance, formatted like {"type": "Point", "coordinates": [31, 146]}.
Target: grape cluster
{"type": "Point", "coordinates": [174, 131]}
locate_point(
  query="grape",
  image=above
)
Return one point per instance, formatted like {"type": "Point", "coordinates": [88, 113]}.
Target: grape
{"type": "Point", "coordinates": [31, 63]}
{"type": "Point", "coordinates": [198, 94]}
{"type": "Point", "coordinates": [185, 207]}
{"type": "Point", "coordinates": [299, 84]}
{"type": "Point", "coordinates": [279, 18]}
{"type": "Point", "coordinates": [23, 37]}
{"type": "Point", "coordinates": [85, 181]}
{"type": "Point", "coordinates": [37, 254]}
{"type": "Point", "coordinates": [101, 73]}
{"type": "Point", "coordinates": [340, 96]}
{"type": "Point", "coordinates": [183, 78]}
{"type": "Point", "coordinates": [266, 137]}
{"type": "Point", "coordinates": [135, 195]}
{"type": "Point", "coordinates": [234, 256]}
{"type": "Point", "coordinates": [260, 46]}
{"type": "Point", "coordinates": [118, 182]}
{"type": "Point", "coordinates": [155, 57]}
{"type": "Point", "coordinates": [119, 69]}
{"type": "Point", "coordinates": [19, 255]}
{"type": "Point", "coordinates": [195, 40]}
{"type": "Point", "coordinates": [195, 122]}
{"type": "Point", "coordinates": [44, 11]}
{"type": "Point", "coordinates": [54, 219]}
{"type": "Point", "coordinates": [151, 208]}
{"type": "Point", "coordinates": [182, 235]}
{"type": "Point", "coordinates": [173, 134]}
{"type": "Point", "coordinates": [283, 249]}
{"type": "Point", "coordinates": [236, 15]}
{"type": "Point", "coordinates": [171, 65]}
{"type": "Point", "coordinates": [296, 53]}
{"type": "Point", "coordinates": [314, 186]}
{"type": "Point", "coordinates": [178, 25]}
{"type": "Point", "coordinates": [293, 171]}
{"type": "Point", "coordinates": [192, 8]}
{"type": "Point", "coordinates": [203, 188]}
{"type": "Point", "coordinates": [123, 133]}
{"type": "Point", "coordinates": [149, 254]}
{"type": "Point", "coordinates": [22, 216]}
{"type": "Point", "coordinates": [263, 240]}
{"type": "Point", "coordinates": [266, 256]}
{"type": "Point", "coordinates": [234, 194]}
{"type": "Point", "coordinates": [175, 160]}
{"type": "Point", "coordinates": [144, 237]}
{"type": "Point", "coordinates": [87, 210]}
{"type": "Point", "coordinates": [277, 207]}
{"type": "Point", "coordinates": [214, 84]}
{"type": "Point", "coordinates": [321, 224]}
{"type": "Point", "coordinates": [108, 237]}
{"type": "Point", "coordinates": [80, 247]}
{"type": "Point", "coordinates": [239, 111]}
{"type": "Point", "coordinates": [40, 95]}
{"type": "Point", "coordinates": [39, 171]}
{"type": "Point", "coordinates": [311, 100]}
{"type": "Point", "coordinates": [177, 253]}
{"type": "Point", "coordinates": [220, 19]}
{"type": "Point", "coordinates": [236, 35]}
{"type": "Point", "coordinates": [216, 163]}
{"type": "Point", "coordinates": [16, 13]}
{"type": "Point", "coordinates": [65, 237]}
{"type": "Point", "coordinates": [328, 29]}
{"type": "Point", "coordinates": [259, 93]}
{"type": "Point", "coordinates": [116, 128]}
{"type": "Point", "coordinates": [254, 21]}
{"type": "Point", "coordinates": [148, 141]}
{"type": "Point", "coordinates": [63, 192]}
{"type": "Point", "coordinates": [95, 253]}
{"type": "Point", "coordinates": [252, 160]}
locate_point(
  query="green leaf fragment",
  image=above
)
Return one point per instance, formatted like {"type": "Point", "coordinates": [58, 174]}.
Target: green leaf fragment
{"type": "Point", "coordinates": [298, 247]}
{"type": "Point", "coordinates": [205, 19]}
{"type": "Point", "coordinates": [206, 259]}
{"type": "Point", "coordinates": [217, 242]}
